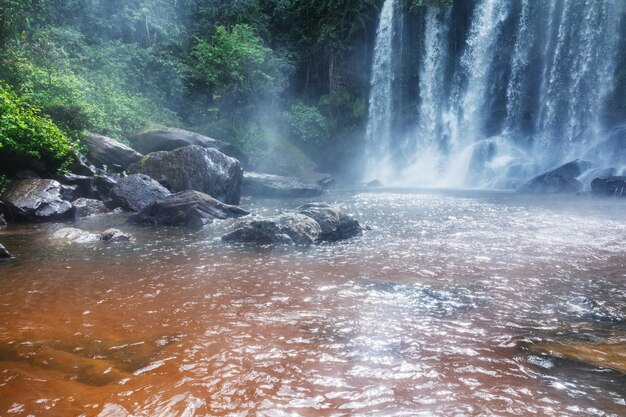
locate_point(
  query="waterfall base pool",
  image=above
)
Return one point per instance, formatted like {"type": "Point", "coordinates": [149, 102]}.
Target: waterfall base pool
{"type": "Point", "coordinates": [454, 304]}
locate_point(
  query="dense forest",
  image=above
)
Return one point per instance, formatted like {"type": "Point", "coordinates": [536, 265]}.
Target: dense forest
{"type": "Point", "coordinates": [262, 74]}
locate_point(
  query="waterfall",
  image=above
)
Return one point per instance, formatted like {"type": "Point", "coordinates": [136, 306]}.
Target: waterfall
{"type": "Point", "coordinates": [510, 89]}
{"type": "Point", "coordinates": [379, 135]}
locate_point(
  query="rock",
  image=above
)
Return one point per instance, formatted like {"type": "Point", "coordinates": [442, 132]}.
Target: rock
{"type": "Point", "coordinates": [84, 185]}
{"type": "Point", "coordinates": [169, 139]}
{"type": "Point", "coordinates": [74, 235]}
{"type": "Point", "coordinates": [36, 200]}
{"type": "Point", "coordinates": [326, 181]}
{"type": "Point", "coordinates": [26, 174]}
{"type": "Point", "coordinates": [311, 223]}
{"type": "Point", "coordinates": [80, 166]}
{"type": "Point", "coordinates": [114, 236]}
{"type": "Point", "coordinates": [3, 222]}
{"type": "Point", "coordinates": [86, 207]}
{"type": "Point", "coordinates": [191, 209]}
{"type": "Point", "coordinates": [592, 174]}
{"type": "Point", "coordinates": [104, 151]}
{"type": "Point", "coordinates": [609, 187]}
{"type": "Point", "coordinates": [103, 184]}
{"type": "Point", "coordinates": [275, 186]}
{"type": "Point", "coordinates": [137, 191]}
{"type": "Point", "coordinates": [602, 355]}
{"type": "Point", "coordinates": [195, 168]}
{"type": "Point", "coordinates": [374, 184]}
{"type": "Point", "coordinates": [334, 223]}
{"type": "Point", "coordinates": [561, 180]}
{"type": "Point", "coordinates": [4, 254]}
{"type": "Point", "coordinates": [288, 228]}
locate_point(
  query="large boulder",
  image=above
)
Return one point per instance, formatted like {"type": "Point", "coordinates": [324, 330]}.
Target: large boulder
{"type": "Point", "coordinates": [169, 139]}
{"type": "Point", "coordinates": [84, 186]}
{"type": "Point", "coordinates": [312, 223]}
{"type": "Point", "coordinates": [195, 168]}
{"type": "Point", "coordinates": [137, 191]}
{"type": "Point", "coordinates": [562, 180]}
{"type": "Point", "coordinates": [276, 186]}
{"type": "Point", "coordinates": [86, 207]}
{"type": "Point", "coordinates": [609, 187]}
{"type": "Point", "coordinates": [36, 200]}
{"type": "Point", "coordinates": [4, 254]}
{"type": "Point", "coordinates": [104, 151]}
{"type": "Point", "coordinates": [190, 208]}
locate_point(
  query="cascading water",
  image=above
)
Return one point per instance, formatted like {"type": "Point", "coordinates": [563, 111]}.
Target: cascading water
{"type": "Point", "coordinates": [517, 87]}
{"type": "Point", "coordinates": [380, 103]}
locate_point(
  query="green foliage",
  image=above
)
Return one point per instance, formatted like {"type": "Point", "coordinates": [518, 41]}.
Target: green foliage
{"type": "Point", "coordinates": [4, 182]}
{"type": "Point", "coordinates": [26, 134]}
{"type": "Point", "coordinates": [308, 125]}
{"type": "Point", "coordinates": [238, 69]}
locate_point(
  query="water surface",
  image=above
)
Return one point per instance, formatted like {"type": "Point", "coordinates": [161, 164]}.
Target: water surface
{"type": "Point", "coordinates": [437, 311]}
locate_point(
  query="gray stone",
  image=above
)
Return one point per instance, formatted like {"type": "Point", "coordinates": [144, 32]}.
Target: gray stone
{"type": "Point", "coordinates": [195, 168]}
{"type": "Point", "coordinates": [137, 191]}
{"type": "Point", "coordinates": [276, 186]}
{"type": "Point", "coordinates": [311, 223]}
{"type": "Point", "coordinates": [609, 187]}
{"type": "Point", "coordinates": [169, 139]}
{"type": "Point", "coordinates": [74, 235]}
{"type": "Point", "coordinates": [36, 200]}
{"type": "Point", "coordinates": [562, 180]}
{"type": "Point", "coordinates": [104, 151]}
{"type": "Point", "coordinates": [114, 236]}
{"type": "Point", "coordinates": [86, 207]}
{"type": "Point", "coordinates": [191, 209]}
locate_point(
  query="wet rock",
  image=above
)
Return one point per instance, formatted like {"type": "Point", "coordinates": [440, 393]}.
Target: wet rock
{"type": "Point", "coordinates": [312, 223]}
{"type": "Point", "coordinates": [326, 181]}
{"type": "Point", "coordinates": [4, 254]}
{"type": "Point", "coordinates": [602, 355]}
{"type": "Point", "coordinates": [3, 222]}
{"type": "Point", "coordinates": [609, 187]}
{"type": "Point", "coordinates": [104, 151]}
{"type": "Point", "coordinates": [334, 223]}
{"type": "Point", "coordinates": [288, 228]}
{"type": "Point", "coordinates": [86, 207]}
{"type": "Point", "coordinates": [276, 186]}
{"type": "Point", "coordinates": [190, 208]}
{"type": "Point", "coordinates": [81, 166]}
{"type": "Point", "coordinates": [36, 200]}
{"type": "Point", "coordinates": [169, 139]}
{"type": "Point", "coordinates": [195, 168]}
{"type": "Point", "coordinates": [561, 180]}
{"type": "Point", "coordinates": [137, 191]}
{"type": "Point", "coordinates": [74, 235]}
{"type": "Point", "coordinates": [374, 184]}
{"type": "Point", "coordinates": [114, 236]}
{"type": "Point", "coordinates": [84, 185]}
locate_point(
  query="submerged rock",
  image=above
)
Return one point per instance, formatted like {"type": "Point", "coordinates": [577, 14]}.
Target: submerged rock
{"type": "Point", "coordinates": [137, 191]}
{"type": "Point", "coordinates": [195, 168]}
{"type": "Point", "coordinates": [4, 254]}
{"type": "Point", "coordinates": [312, 223]}
{"type": "Point", "coordinates": [36, 200]}
{"type": "Point", "coordinates": [114, 236]}
{"type": "Point", "coordinates": [603, 355]}
{"type": "Point", "coordinates": [562, 180]}
{"type": "Point", "coordinates": [191, 209]}
{"type": "Point", "coordinates": [276, 186]}
{"type": "Point", "coordinates": [169, 139]}
{"type": "Point", "coordinates": [74, 235]}
{"type": "Point", "coordinates": [609, 187]}
{"type": "Point", "coordinates": [86, 207]}
{"type": "Point", "coordinates": [104, 151]}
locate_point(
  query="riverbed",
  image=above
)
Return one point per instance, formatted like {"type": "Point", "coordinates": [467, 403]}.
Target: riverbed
{"type": "Point", "coordinates": [453, 304]}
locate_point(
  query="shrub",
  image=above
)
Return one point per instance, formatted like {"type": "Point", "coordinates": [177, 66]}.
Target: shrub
{"type": "Point", "coordinates": [307, 125]}
{"type": "Point", "coordinates": [26, 134]}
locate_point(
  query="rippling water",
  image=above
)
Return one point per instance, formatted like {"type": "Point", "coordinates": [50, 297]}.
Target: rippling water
{"type": "Point", "coordinates": [434, 312]}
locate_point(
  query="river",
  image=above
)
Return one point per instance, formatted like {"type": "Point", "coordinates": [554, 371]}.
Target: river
{"type": "Point", "coordinates": [449, 306]}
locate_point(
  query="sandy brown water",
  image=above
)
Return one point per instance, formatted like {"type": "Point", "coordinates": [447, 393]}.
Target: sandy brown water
{"type": "Point", "coordinates": [435, 312]}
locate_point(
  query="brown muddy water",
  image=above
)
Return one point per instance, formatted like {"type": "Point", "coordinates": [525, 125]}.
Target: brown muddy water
{"type": "Point", "coordinates": [455, 304]}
